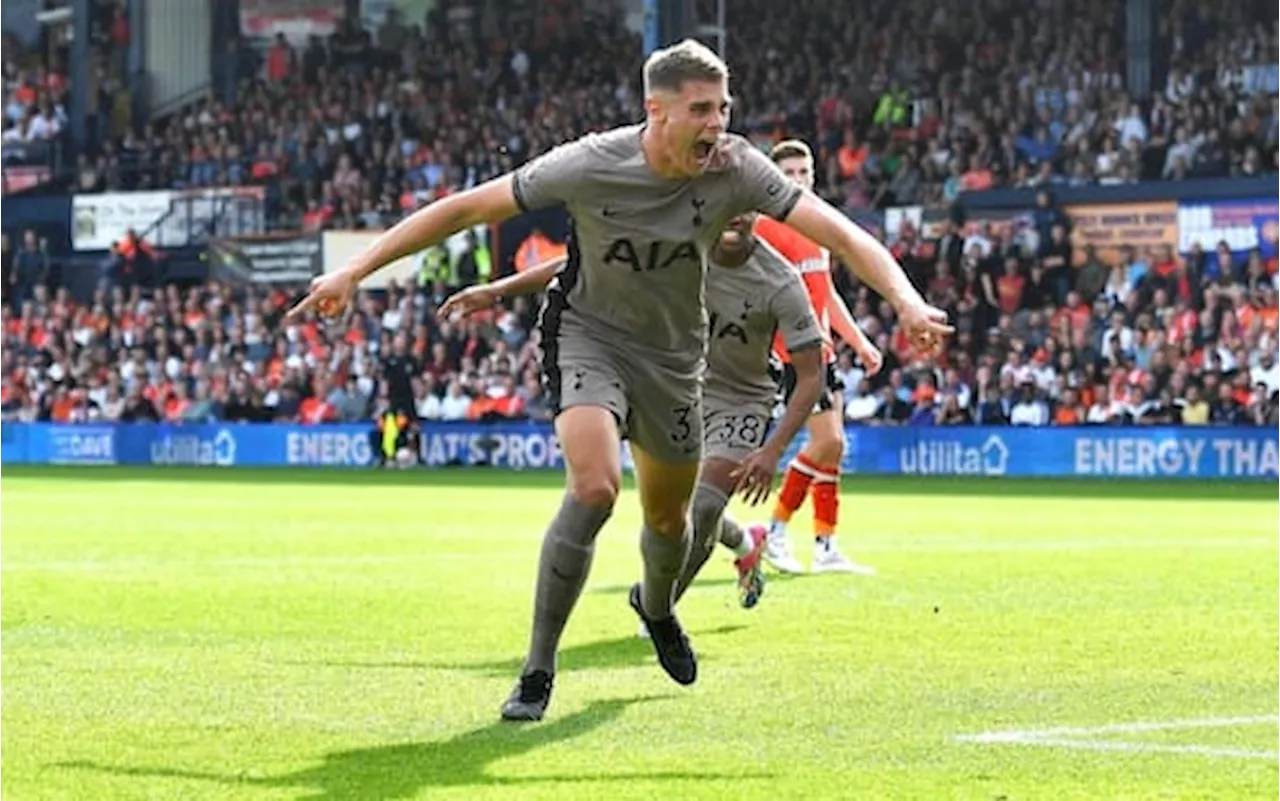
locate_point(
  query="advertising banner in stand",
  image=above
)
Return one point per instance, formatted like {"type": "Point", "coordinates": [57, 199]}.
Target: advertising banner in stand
{"type": "Point", "coordinates": [283, 259]}
{"type": "Point", "coordinates": [167, 218]}
{"type": "Point", "coordinates": [296, 19]}
{"type": "Point", "coordinates": [1242, 224]}
{"type": "Point", "coordinates": [1109, 227]}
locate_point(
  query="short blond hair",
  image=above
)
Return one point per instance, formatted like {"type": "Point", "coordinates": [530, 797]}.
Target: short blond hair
{"type": "Point", "coordinates": [790, 149]}
{"type": "Point", "coordinates": [668, 69]}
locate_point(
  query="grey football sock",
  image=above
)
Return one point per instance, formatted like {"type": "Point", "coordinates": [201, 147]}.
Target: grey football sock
{"type": "Point", "coordinates": [707, 512]}
{"type": "Point", "coordinates": [567, 548]}
{"type": "Point", "coordinates": [663, 560]}
{"type": "Point", "coordinates": [731, 534]}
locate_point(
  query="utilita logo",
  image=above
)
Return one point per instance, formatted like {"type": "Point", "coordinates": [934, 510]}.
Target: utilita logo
{"type": "Point", "coordinates": [191, 449]}
{"type": "Point", "coordinates": [933, 457]}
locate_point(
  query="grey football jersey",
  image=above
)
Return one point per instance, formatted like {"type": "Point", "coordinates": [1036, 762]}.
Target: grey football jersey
{"type": "Point", "coordinates": [748, 305]}
{"type": "Point", "coordinates": [637, 253]}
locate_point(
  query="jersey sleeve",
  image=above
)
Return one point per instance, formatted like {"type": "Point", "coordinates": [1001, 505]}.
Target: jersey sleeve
{"type": "Point", "coordinates": [797, 325]}
{"type": "Point", "coordinates": [552, 178]}
{"type": "Point", "coordinates": [762, 185]}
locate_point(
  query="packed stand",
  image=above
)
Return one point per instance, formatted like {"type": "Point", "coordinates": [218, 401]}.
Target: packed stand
{"type": "Point", "coordinates": [907, 102]}
{"type": "Point", "coordinates": [913, 102]}
{"type": "Point", "coordinates": [37, 91]}
{"type": "Point", "coordinates": [356, 129]}
{"type": "Point", "coordinates": [1157, 339]}
{"type": "Point", "coordinates": [219, 353]}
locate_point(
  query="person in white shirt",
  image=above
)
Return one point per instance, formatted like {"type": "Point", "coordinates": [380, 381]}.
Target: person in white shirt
{"type": "Point", "coordinates": [863, 402]}
{"type": "Point", "coordinates": [1132, 126]}
{"type": "Point", "coordinates": [1101, 412]}
{"type": "Point", "coordinates": [1015, 370]}
{"type": "Point", "coordinates": [1266, 371]}
{"type": "Point", "coordinates": [850, 374]}
{"type": "Point", "coordinates": [455, 403]}
{"type": "Point", "coordinates": [1029, 410]}
{"type": "Point", "coordinates": [1043, 373]}
{"type": "Point", "coordinates": [13, 132]}
{"type": "Point", "coordinates": [429, 407]}
{"type": "Point", "coordinates": [44, 125]}
{"type": "Point", "coordinates": [1118, 339]}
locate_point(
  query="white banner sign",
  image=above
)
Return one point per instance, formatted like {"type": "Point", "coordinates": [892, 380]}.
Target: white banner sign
{"type": "Point", "coordinates": [166, 218]}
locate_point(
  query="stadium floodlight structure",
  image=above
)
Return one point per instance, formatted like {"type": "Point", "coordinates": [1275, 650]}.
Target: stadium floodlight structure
{"type": "Point", "coordinates": [669, 21]}
{"type": "Point", "coordinates": [705, 30]}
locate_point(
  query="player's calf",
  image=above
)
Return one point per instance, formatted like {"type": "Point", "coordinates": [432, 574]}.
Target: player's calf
{"type": "Point", "coordinates": [589, 438]}
{"type": "Point", "coordinates": [665, 488]}
{"type": "Point", "coordinates": [708, 510]}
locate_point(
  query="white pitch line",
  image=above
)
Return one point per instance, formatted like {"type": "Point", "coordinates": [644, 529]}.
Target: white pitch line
{"type": "Point", "coordinates": [1128, 728]}
{"type": "Point", "coordinates": [1110, 544]}
{"type": "Point", "coordinates": [1084, 738]}
{"type": "Point", "coordinates": [1144, 748]}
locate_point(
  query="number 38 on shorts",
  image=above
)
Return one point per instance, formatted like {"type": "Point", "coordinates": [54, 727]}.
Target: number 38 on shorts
{"type": "Point", "coordinates": [735, 430]}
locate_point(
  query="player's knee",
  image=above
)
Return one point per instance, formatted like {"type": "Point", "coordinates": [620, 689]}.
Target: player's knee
{"type": "Point", "coordinates": [833, 451]}
{"type": "Point", "coordinates": [707, 511]}
{"type": "Point", "coordinates": [669, 520]}
{"type": "Point", "coordinates": [827, 448]}
{"type": "Point", "coordinates": [595, 488]}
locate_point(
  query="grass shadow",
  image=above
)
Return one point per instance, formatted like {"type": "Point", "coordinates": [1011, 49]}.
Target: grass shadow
{"type": "Point", "coordinates": [771, 577]}
{"type": "Point", "coordinates": [623, 589]}
{"type": "Point", "coordinates": [404, 770]}
{"type": "Point", "coordinates": [619, 652]}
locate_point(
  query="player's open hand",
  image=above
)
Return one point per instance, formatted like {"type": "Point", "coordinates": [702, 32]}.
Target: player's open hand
{"type": "Point", "coordinates": [329, 295]}
{"type": "Point", "coordinates": [871, 357]}
{"type": "Point", "coordinates": [753, 479]}
{"type": "Point", "coordinates": [468, 301]}
{"type": "Point", "coordinates": [926, 325]}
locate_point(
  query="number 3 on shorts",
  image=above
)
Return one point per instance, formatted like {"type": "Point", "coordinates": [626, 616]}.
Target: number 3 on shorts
{"type": "Point", "coordinates": [683, 426]}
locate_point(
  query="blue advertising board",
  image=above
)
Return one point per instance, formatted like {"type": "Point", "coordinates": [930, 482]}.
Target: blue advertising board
{"type": "Point", "coordinates": [1242, 224]}
{"type": "Point", "coordinates": [1148, 452]}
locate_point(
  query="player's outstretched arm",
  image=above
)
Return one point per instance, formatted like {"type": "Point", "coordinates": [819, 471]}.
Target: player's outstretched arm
{"type": "Point", "coordinates": [848, 329]}
{"type": "Point", "coordinates": [490, 202]}
{"type": "Point", "coordinates": [871, 262]}
{"type": "Point", "coordinates": [483, 296]}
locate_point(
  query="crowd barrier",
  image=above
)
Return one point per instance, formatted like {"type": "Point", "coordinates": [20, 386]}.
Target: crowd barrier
{"type": "Point", "coordinates": [1146, 452]}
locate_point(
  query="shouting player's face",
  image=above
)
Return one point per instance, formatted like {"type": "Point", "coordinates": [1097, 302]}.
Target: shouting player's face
{"type": "Point", "coordinates": [692, 122]}
{"type": "Point", "coordinates": [798, 169]}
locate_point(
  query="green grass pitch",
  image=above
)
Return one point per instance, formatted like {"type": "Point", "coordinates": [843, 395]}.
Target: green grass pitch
{"type": "Point", "coordinates": [284, 635]}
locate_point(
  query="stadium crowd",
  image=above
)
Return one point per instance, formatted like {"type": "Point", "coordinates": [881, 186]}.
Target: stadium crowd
{"type": "Point", "coordinates": [906, 102]}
